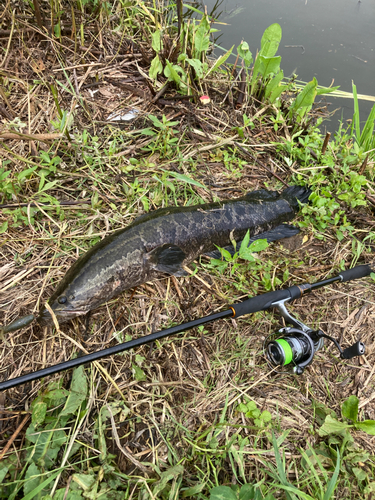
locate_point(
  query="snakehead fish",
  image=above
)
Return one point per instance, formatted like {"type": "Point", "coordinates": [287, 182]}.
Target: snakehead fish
{"type": "Point", "coordinates": [164, 241]}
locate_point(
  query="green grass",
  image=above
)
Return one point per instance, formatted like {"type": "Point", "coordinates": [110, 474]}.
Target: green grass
{"type": "Point", "coordinates": [200, 415]}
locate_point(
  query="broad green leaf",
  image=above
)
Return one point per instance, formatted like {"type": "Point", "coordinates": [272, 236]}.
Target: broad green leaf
{"type": "Point", "coordinates": [156, 41]}
{"type": "Point", "coordinates": [266, 416]}
{"type": "Point", "coordinates": [245, 243]}
{"type": "Point", "coordinates": [305, 99]}
{"type": "Point", "coordinates": [370, 488]}
{"type": "Point", "coordinates": [47, 443]}
{"type": "Point", "coordinates": [138, 373]}
{"type": "Point", "coordinates": [72, 495]}
{"type": "Point", "coordinates": [247, 492]}
{"type": "Point", "coordinates": [326, 90]}
{"type": "Point", "coordinates": [277, 92]}
{"type": "Point", "coordinates": [273, 84]}
{"type": "Point", "coordinates": [139, 359]}
{"type": "Point", "coordinates": [227, 255]}
{"type": "Point", "coordinates": [222, 493]}
{"type": "Point", "coordinates": [11, 463]}
{"type": "Point", "coordinates": [49, 185]}
{"type": "Point", "coordinates": [246, 254]}
{"type": "Point", "coordinates": [269, 65]}
{"type": "Point", "coordinates": [4, 227]}
{"type": "Point", "coordinates": [333, 426]}
{"type": "Point", "coordinates": [193, 490]}
{"type": "Point", "coordinates": [220, 61]}
{"type": "Point", "coordinates": [147, 131]}
{"type": "Point", "coordinates": [367, 426]}
{"type": "Point", "coordinates": [242, 407]}
{"type": "Point", "coordinates": [255, 413]}
{"type": "Point", "coordinates": [4, 467]}
{"type": "Point", "coordinates": [56, 396]}
{"type": "Point", "coordinates": [31, 482]}
{"type": "Point", "coordinates": [197, 65]}
{"type": "Point", "coordinates": [165, 477]}
{"type": "Point", "coordinates": [270, 40]}
{"type": "Point", "coordinates": [202, 38]}
{"type": "Point", "coordinates": [251, 405]}
{"type": "Point", "coordinates": [78, 392]}
{"type": "Point", "coordinates": [254, 78]}
{"type": "Point", "coordinates": [116, 407]}
{"type": "Point", "coordinates": [39, 412]}
{"type": "Point", "coordinates": [350, 408]}
{"type": "Point", "coordinates": [258, 245]}
{"type": "Point", "coordinates": [220, 264]}
{"type": "Point", "coordinates": [171, 73]}
{"type": "Point", "coordinates": [26, 173]}
{"type": "Point", "coordinates": [156, 121]}
{"type": "Point", "coordinates": [360, 474]}
{"type": "Point", "coordinates": [244, 52]}
{"type": "Point", "coordinates": [156, 67]}
{"type": "Point", "coordinates": [84, 481]}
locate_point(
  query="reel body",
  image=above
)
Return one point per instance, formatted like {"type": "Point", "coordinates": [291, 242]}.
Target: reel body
{"type": "Point", "coordinates": [295, 347]}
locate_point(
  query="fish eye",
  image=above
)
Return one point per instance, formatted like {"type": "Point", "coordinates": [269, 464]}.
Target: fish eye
{"type": "Point", "coordinates": [62, 300]}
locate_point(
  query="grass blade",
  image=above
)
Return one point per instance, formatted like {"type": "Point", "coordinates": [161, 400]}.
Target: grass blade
{"type": "Point", "coordinates": [356, 113]}
{"type": "Point", "coordinates": [367, 139]}
{"type": "Point", "coordinates": [281, 470]}
{"type": "Point", "coordinates": [333, 481]}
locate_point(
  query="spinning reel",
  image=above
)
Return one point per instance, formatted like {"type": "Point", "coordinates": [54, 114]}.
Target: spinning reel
{"type": "Point", "coordinates": [294, 347]}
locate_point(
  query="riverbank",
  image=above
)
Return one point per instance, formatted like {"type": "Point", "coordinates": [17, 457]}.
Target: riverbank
{"type": "Point", "coordinates": [103, 121]}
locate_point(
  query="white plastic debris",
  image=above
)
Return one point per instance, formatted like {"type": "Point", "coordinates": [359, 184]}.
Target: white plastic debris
{"type": "Point", "coordinates": [121, 116]}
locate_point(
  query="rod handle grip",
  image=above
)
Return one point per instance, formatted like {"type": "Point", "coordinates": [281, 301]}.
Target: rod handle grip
{"type": "Point", "coordinates": [260, 302]}
{"type": "Point", "coordinates": [355, 273]}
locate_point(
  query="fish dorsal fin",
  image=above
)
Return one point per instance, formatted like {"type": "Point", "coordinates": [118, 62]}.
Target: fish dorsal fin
{"type": "Point", "coordinates": [167, 258]}
{"type": "Point", "coordinates": [262, 195]}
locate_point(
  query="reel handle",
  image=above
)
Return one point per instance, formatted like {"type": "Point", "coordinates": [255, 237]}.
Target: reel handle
{"type": "Point", "coordinates": [357, 349]}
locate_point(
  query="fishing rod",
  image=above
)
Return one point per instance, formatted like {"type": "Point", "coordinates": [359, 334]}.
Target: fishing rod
{"type": "Point", "coordinates": [291, 347]}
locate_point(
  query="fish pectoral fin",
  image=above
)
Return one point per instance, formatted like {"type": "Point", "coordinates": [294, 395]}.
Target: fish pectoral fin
{"type": "Point", "coordinates": [277, 233]}
{"type": "Point", "coordinates": [167, 258]}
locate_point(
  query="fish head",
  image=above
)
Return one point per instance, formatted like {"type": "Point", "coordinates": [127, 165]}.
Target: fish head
{"type": "Point", "coordinates": [77, 292]}
{"type": "Point", "coordinates": [66, 303]}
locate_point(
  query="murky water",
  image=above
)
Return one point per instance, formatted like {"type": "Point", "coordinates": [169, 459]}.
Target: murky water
{"type": "Point", "coordinates": [333, 40]}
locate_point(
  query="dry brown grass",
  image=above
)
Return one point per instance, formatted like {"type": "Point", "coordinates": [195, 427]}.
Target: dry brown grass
{"type": "Point", "coordinates": [188, 378]}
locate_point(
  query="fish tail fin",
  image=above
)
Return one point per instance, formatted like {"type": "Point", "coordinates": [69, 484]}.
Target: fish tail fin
{"type": "Point", "coordinates": [295, 194]}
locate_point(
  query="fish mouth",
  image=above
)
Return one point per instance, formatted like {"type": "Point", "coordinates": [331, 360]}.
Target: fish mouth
{"type": "Point", "coordinates": [62, 315]}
